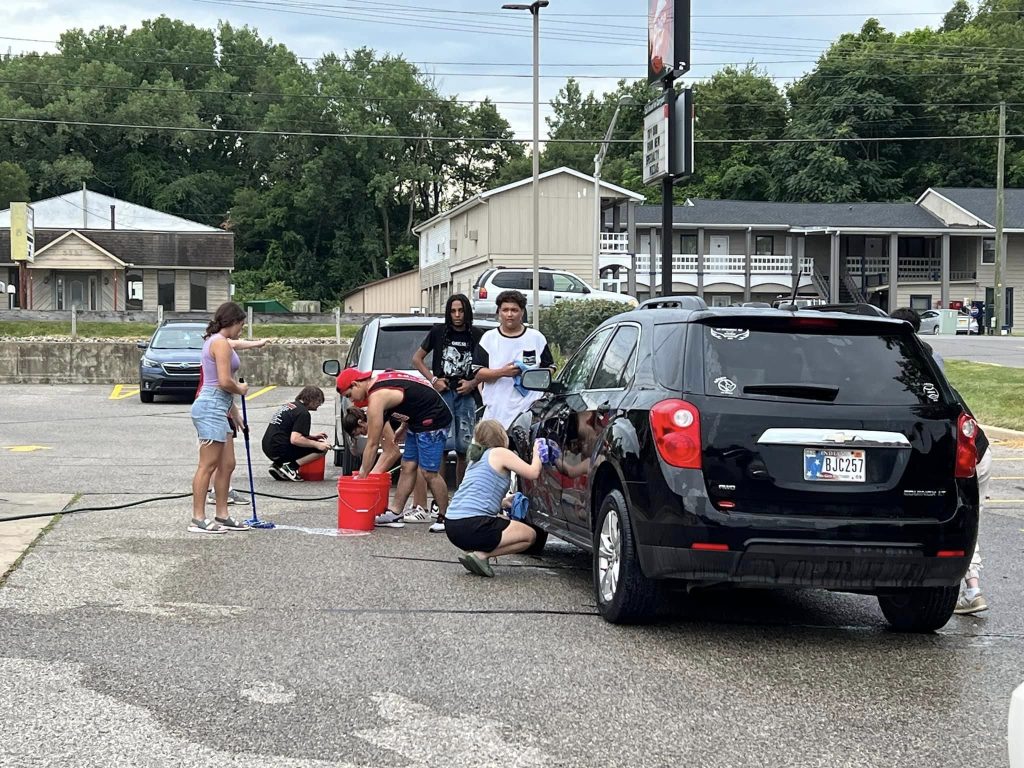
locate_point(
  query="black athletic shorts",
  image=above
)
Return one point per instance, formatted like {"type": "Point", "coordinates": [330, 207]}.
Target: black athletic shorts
{"type": "Point", "coordinates": [476, 534]}
{"type": "Point", "coordinates": [290, 452]}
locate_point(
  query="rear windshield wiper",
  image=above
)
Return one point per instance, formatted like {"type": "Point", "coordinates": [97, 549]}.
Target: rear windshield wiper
{"type": "Point", "coordinates": [800, 391]}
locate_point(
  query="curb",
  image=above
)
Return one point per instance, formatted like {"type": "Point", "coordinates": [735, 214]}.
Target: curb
{"type": "Point", "coordinates": [1000, 433]}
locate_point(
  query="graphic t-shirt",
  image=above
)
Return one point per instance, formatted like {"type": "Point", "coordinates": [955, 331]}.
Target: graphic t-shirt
{"type": "Point", "coordinates": [290, 417]}
{"type": "Point", "coordinates": [453, 351]}
{"type": "Point", "coordinates": [502, 401]}
{"type": "Point", "coordinates": [422, 408]}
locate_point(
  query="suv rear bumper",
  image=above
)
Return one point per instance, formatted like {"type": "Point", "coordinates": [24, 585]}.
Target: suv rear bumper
{"type": "Point", "coordinates": [871, 567]}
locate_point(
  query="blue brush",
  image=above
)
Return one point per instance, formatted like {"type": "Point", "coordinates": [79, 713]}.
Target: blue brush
{"type": "Point", "coordinates": [254, 521]}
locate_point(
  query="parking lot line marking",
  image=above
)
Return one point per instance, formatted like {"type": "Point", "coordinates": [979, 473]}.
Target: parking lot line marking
{"type": "Point", "coordinates": [1011, 477]}
{"type": "Point", "coordinates": [259, 392]}
{"type": "Point", "coordinates": [26, 448]}
{"type": "Point", "coordinates": [124, 391]}
{"type": "Point", "coordinates": [1008, 458]}
{"type": "Point", "coordinates": [1004, 501]}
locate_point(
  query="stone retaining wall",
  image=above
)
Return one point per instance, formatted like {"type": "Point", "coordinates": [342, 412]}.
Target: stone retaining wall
{"type": "Point", "coordinates": [99, 362]}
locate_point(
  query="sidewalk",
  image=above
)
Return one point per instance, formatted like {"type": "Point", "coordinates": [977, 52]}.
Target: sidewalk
{"type": "Point", "coordinates": [17, 536]}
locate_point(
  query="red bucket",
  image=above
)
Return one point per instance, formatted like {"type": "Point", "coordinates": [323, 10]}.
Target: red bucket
{"type": "Point", "coordinates": [359, 501]}
{"type": "Point", "coordinates": [314, 471]}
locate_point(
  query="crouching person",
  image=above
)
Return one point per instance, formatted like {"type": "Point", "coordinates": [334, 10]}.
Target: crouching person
{"type": "Point", "coordinates": [287, 442]}
{"type": "Point", "coordinates": [475, 522]}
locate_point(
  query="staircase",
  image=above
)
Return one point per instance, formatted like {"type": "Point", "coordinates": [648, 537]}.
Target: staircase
{"type": "Point", "coordinates": [849, 291]}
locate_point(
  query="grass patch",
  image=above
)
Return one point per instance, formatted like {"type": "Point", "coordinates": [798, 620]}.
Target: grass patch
{"type": "Point", "coordinates": [992, 392]}
{"type": "Point", "coordinates": [19, 329]}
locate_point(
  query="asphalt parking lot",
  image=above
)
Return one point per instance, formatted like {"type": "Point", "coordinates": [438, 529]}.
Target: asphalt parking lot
{"type": "Point", "coordinates": [997, 350]}
{"type": "Point", "coordinates": [125, 640]}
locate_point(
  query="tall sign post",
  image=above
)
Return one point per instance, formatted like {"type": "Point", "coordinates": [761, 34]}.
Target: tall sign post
{"type": "Point", "coordinates": [23, 249]}
{"type": "Point", "coordinates": [668, 124]}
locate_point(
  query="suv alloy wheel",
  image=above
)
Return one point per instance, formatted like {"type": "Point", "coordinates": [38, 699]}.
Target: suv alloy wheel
{"type": "Point", "coordinates": [624, 595]}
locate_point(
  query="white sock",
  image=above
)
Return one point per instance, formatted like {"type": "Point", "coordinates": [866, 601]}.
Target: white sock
{"type": "Point", "coordinates": [972, 592]}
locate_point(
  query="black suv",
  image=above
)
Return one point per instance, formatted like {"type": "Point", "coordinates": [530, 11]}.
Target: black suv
{"type": "Point", "coordinates": [757, 447]}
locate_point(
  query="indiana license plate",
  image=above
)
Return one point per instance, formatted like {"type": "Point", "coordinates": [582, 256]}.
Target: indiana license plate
{"type": "Point", "coordinates": [834, 465]}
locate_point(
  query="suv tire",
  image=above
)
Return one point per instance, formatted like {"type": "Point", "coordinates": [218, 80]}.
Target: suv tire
{"type": "Point", "coordinates": [146, 397]}
{"type": "Point", "coordinates": [922, 609]}
{"type": "Point", "coordinates": [343, 458]}
{"type": "Point", "coordinates": [622, 592]}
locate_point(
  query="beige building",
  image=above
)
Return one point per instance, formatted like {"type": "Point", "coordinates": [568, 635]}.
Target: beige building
{"type": "Point", "coordinates": [494, 228]}
{"type": "Point", "coordinates": [398, 294]}
{"type": "Point", "coordinates": [97, 253]}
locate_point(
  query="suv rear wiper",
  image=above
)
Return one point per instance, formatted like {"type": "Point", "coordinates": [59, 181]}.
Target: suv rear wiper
{"type": "Point", "coordinates": [801, 391]}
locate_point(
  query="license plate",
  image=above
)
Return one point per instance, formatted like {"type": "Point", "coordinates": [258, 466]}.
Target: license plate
{"type": "Point", "coordinates": [833, 465]}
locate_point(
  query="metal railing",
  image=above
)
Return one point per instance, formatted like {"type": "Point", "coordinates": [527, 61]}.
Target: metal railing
{"type": "Point", "coordinates": [732, 264]}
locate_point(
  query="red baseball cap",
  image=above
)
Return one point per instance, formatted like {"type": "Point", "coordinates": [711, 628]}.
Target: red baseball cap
{"type": "Point", "coordinates": [350, 376]}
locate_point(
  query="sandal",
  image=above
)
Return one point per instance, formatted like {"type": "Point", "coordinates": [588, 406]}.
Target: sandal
{"type": "Point", "coordinates": [230, 524]}
{"type": "Point", "coordinates": [206, 526]}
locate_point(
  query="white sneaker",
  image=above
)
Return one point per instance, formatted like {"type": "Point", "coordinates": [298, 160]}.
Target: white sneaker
{"type": "Point", "coordinates": [437, 527]}
{"type": "Point", "coordinates": [389, 520]}
{"type": "Point", "coordinates": [967, 605]}
{"type": "Point", "coordinates": [417, 514]}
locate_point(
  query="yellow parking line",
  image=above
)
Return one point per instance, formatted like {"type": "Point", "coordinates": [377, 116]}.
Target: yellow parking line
{"type": "Point", "coordinates": [1004, 501]}
{"type": "Point", "coordinates": [259, 392]}
{"type": "Point", "coordinates": [124, 391]}
{"type": "Point", "coordinates": [1008, 458]}
{"type": "Point", "coordinates": [1012, 477]}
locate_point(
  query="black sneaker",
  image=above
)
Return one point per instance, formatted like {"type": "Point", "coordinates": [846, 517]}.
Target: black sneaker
{"type": "Point", "coordinates": [289, 472]}
{"type": "Point", "coordinates": [275, 472]}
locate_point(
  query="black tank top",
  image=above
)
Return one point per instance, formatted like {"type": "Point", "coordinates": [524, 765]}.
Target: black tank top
{"type": "Point", "coordinates": [422, 407]}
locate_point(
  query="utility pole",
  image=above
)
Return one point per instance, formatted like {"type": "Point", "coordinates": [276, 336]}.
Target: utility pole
{"type": "Point", "coordinates": [1000, 292]}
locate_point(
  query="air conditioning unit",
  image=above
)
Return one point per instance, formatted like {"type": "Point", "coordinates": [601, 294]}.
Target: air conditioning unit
{"type": "Point", "coordinates": [474, 234]}
{"type": "Point", "coordinates": [453, 245]}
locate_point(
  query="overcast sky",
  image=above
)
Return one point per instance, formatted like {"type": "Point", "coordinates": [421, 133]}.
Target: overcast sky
{"type": "Point", "coordinates": [478, 50]}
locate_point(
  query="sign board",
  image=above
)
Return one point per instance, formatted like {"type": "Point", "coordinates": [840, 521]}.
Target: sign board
{"type": "Point", "coordinates": [683, 127]}
{"type": "Point", "coordinates": [22, 233]}
{"type": "Point", "coordinates": [668, 38]}
{"type": "Point", "coordinates": [656, 146]}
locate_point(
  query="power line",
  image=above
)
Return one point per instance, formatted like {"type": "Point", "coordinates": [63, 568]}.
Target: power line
{"type": "Point", "coordinates": [483, 139]}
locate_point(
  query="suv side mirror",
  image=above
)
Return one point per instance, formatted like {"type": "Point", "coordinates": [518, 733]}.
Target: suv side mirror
{"type": "Point", "coordinates": [332, 367]}
{"type": "Point", "coordinates": [537, 380]}
{"type": "Point", "coordinates": [143, 345]}
{"type": "Point", "coordinates": [585, 289]}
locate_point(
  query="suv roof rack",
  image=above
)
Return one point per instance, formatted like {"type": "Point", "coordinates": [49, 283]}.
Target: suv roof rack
{"type": "Point", "coordinates": [675, 302]}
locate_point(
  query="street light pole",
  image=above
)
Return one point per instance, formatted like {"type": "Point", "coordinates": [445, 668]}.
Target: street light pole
{"type": "Point", "coordinates": [625, 101]}
{"type": "Point", "coordinates": [534, 9]}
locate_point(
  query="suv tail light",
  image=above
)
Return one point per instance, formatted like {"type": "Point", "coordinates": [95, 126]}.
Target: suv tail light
{"type": "Point", "coordinates": [481, 292]}
{"type": "Point", "coordinates": [966, 450]}
{"type": "Point", "coordinates": [675, 425]}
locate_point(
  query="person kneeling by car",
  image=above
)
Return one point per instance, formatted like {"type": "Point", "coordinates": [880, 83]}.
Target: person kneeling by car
{"type": "Point", "coordinates": [287, 442]}
{"type": "Point", "coordinates": [475, 522]}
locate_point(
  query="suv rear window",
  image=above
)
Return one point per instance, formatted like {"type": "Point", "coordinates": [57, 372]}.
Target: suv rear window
{"type": "Point", "coordinates": [395, 347]}
{"type": "Point", "coordinates": [520, 281]}
{"type": "Point", "coordinates": [849, 366]}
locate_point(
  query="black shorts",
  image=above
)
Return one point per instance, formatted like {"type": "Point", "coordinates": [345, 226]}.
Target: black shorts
{"type": "Point", "coordinates": [285, 454]}
{"type": "Point", "coordinates": [476, 534]}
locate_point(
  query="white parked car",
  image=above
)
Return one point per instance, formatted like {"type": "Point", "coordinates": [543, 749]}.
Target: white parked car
{"type": "Point", "coordinates": [555, 285]}
{"type": "Point", "coordinates": [930, 322]}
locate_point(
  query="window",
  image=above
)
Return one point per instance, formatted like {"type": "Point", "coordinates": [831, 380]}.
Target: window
{"type": "Point", "coordinates": [93, 293]}
{"type": "Point", "coordinates": [513, 280]}
{"type": "Point", "coordinates": [578, 370]}
{"type": "Point", "coordinates": [988, 251]}
{"type": "Point", "coordinates": [668, 355]}
{"type": "Point", "coordinates": [59, 292]}
{"type": "Point", "coordinates": [395, 346]}
{"type": "Point", "coordinates": [845, 368]}
{"type": "Point", "coordinates": [133, 289]}
{"type": "Point", "coordinates": [616, 366]}
{"type": "Point", "coordinates": [764, 245]}
{"type": "Point", "coordinates": [197, 291]}
{"type": "Point", "coordinates": [687, 244]}
{"type": "Point", "coordinates": [920, 303]}
{"type": "Point", "coordinates": [165, 290]}
{"type": "Point", "coordinates": [566, 283]}
{"type": "Point", "coordinates": [352, 361]}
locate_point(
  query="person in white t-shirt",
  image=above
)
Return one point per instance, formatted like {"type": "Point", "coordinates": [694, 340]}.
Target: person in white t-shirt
{"type": "Point", "coordinates": [501, 356]}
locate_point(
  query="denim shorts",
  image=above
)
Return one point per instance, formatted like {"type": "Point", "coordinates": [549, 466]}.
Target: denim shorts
{"type": "Point", "coordinates": [426, 448]}
{"type": "Point", "coordinates": [210, 415]}
{"type": "Point", "coordinates": [463, 408]}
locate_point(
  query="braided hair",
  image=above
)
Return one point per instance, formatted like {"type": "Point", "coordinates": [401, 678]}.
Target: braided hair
{"type": "Point", "coordinates": [449, 328]}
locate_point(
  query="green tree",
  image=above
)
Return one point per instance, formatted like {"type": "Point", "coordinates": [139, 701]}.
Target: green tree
{"type": "Point", "coordinates": [15, 184]}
